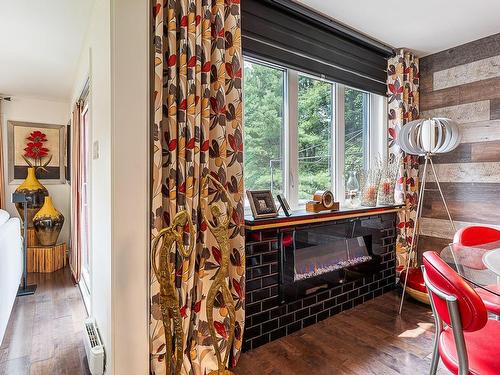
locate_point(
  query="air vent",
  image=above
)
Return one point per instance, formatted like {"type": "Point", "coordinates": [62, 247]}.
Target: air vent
{"type": "Point", "coordinates": [93, 347]}
{"type": "Point", "coordinates": [91, 332]}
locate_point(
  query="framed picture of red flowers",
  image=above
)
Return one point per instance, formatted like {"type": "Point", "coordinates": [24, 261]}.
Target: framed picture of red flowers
{"type": "Point", "coordinates": [41, 146]}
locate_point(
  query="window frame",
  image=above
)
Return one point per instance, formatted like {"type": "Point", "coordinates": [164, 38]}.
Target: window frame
{"type": "Point", "coordinates": [375, 146]}
{"type": "Point", "coordinates": [85, 137]}
{"type": "Point", "coordinates": [294, 90]}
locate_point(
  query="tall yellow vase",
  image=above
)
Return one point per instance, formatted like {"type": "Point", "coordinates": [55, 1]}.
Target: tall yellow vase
{"type": "Point", "coordinates": [33, 189]}
{"type": "Point", "coordinates": [48, 223]}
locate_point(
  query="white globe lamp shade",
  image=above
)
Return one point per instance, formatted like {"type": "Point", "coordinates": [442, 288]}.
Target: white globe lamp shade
{"type": "Point", "coordinates": [429, 136]}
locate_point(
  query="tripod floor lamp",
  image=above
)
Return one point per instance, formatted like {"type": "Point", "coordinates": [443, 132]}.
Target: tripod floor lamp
{"type": "Point", "coordinates": [426, 138]}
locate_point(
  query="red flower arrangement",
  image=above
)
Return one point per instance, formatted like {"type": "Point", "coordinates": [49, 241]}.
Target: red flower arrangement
{"type": "Point", "coordinates": [35, 150]}
{"type": "Point", "coordinates": [37, 137]}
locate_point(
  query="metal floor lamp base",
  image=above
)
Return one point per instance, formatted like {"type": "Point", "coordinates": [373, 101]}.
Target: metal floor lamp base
{"type": "Point", "coordinates": [26, 291]}
{"type": "Point", "coordinates": [428, 160]}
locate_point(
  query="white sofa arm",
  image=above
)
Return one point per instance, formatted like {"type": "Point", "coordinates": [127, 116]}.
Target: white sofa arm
{"type": "Point", "coordinates": [11, 265]}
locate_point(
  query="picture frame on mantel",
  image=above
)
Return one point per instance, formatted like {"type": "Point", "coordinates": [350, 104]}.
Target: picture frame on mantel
{"type": "Point", "coordinates": [17, 140]}
{"type": "Point", "coordinates": [262, 204]}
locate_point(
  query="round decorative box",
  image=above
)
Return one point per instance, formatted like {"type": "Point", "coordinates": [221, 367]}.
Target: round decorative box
{"type": "Point", "coordinates": [48, 223]}
{"type": "Point", "coordinates": [33, 189]}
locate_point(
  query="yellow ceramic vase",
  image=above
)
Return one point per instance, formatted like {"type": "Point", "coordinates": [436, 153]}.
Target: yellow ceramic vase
{"type": "Point", "coordinates": [35, 191]}
{"type": "Point", "coordinates": [48, 223]}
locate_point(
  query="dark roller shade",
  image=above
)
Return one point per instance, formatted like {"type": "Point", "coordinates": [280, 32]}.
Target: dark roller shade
{"type": "Point", "coordinates": [291, 35]}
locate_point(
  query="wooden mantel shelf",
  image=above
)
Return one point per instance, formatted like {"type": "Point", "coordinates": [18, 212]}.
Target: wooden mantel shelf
{"type": "Point", "coordinates": [303, 217]}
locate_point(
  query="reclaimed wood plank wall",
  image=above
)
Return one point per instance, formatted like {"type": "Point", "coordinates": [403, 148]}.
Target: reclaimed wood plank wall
{"type": "Point", "coordinates": [463, 83]}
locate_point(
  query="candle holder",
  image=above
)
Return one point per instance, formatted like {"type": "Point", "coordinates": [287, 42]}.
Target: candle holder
{"type": "Point", "coordinates": [389, 173]}
{"type": "Point", "coordinates": [385, 195]}
{"type": "Point", "coordinates": [370, 182]}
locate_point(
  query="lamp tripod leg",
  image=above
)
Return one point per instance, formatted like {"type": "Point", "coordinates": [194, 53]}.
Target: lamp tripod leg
{"type": "Point", "coordinates": [415, 227]}
{"type": "Point", "coordinates": [442, 195]}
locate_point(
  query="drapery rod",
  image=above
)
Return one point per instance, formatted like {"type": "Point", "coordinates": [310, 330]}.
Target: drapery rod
{"type": "Point", "coordinates": [85, 91]}
{"type": "Point", "coordinates": [296, 53]}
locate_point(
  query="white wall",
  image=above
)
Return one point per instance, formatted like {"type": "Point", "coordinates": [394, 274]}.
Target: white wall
{"type": "Point", "coordinates": [43, 111]}
{"type": "Point", "coordinates": [95, 63]}
{"type": "Point", "coordinates": [130, 185]}
{"type": "Point", "coordinates": [116, 58]}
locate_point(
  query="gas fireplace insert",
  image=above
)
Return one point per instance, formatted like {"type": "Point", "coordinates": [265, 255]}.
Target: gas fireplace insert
{"type": "Point", "coordinates": [320, 256]}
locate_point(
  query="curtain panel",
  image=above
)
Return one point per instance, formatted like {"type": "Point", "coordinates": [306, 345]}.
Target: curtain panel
{"type": "Point", "coordinates": [197, 131]}
{"type": "Point", "coordinates": [76, 188]}
{"type": "Point", "coordinates": [403, 107]}
{"type": "Point", "coordinates": [2, 174]}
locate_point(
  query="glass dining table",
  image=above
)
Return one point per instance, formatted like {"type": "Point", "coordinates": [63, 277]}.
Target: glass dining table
{"type": "Point", "coordinates": [479, 264]}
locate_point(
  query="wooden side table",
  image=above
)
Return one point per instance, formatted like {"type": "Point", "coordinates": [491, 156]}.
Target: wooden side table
{"type": "Point", "coordinates": [46, 258]}
{"type": "Point", "coordinates": [32, 238]}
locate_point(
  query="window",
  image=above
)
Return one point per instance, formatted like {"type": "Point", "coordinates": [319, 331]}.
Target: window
{"type": "Point", "coordinates": [300, 131]}
{"type": "Point", "coordinates": [315, 138]}
{"type": "Point", "coordinates": [356, 115]}
{"type": "Point", "coordinates": [264, 127]}
{"type": "Point", "coordinates": [85, 194]}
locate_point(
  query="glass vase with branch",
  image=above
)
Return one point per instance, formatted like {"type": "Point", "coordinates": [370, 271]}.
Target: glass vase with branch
{"type": "Point", "coordinates": [370, 179]}
{"type": "Point", "coordinates": [389, 174]}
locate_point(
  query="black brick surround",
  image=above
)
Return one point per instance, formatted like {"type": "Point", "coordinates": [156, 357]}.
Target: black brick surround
{"type": "Point", "coordinates": [267, 319]}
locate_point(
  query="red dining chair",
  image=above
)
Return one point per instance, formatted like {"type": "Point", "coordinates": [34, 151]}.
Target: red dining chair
{"type": "Point", "coordinates": [476, 235]}
{"type": "Point", "coordinates": [468, 341]}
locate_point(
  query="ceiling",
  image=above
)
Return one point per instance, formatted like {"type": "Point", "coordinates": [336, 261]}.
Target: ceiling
{"type": "Point", "coordinates": [424, 26]}
{"type": "Point", "coordinates": [41, 41]}
{"type": "Point", "coordinates": [40, 45]}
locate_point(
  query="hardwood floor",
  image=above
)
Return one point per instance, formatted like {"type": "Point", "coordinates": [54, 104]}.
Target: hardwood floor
{"type": "Point", "coordinates": [369, 339]}
{"type": "Point", "coordinates": [45, 332]}
{"type": "Point", "coordinates": [44, 337]}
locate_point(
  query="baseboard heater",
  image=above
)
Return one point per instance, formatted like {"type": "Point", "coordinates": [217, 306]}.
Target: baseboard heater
{"type": "Point", "coordinates": [93, 347]}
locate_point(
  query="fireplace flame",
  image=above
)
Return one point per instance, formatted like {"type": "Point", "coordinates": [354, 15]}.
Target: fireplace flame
{"type": "Point", "coordinates": [311, 270]}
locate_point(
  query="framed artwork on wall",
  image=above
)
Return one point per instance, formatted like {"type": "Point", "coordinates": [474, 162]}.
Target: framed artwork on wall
{"type": "Point", "coordinates": [38, 145]}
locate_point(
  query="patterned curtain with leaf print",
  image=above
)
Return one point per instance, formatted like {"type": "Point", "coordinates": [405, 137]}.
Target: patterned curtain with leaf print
{"type": "Point", "coordinates": [403, 106]}
{"type": "Point", "coordinates": [197, 131]}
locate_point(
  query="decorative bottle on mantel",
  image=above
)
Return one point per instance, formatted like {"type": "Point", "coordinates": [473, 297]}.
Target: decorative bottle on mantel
{"type": "Point", "coordinates": [33, 189]}
{"type": "Point", "coordinates": [352, 199]}
{"type": "Point", "coordinates": [48, 223]}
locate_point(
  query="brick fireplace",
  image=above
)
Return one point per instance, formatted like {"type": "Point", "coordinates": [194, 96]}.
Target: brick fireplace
{"type": "Point", "coordinates": [304, 269]}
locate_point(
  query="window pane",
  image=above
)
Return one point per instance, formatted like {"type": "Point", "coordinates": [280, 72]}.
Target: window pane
{"type": "Point", "coordinates": [85, 196]}
{"type": "Point", "coordinates": [315, 145]}
{"type": "Point", "coordinates": [263, 118]}
{"type": "Point", "coordinates": [356, 130]}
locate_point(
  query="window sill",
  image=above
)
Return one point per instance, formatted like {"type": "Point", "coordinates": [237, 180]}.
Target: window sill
{"type": "Point", "coordinates": [299, 217]}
